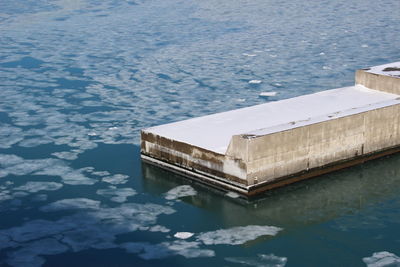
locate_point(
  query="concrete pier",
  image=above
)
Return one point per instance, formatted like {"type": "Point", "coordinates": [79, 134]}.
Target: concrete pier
{"type": "Point", "coordinates": [254, 149]}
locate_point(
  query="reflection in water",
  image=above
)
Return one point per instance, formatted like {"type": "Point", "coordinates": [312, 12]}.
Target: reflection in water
{"type": "Point", "coordinates": [308, 202]}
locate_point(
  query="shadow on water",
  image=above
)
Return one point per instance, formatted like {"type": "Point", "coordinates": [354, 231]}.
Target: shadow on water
{"type": "Point", "coordinates": [304, 203]}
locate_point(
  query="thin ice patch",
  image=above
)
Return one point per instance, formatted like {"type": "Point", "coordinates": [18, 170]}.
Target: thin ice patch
{"type": "Point", "coordinates": [29, 255]}
{"type": "Point", "coordinates": [180, 191]}
{"type": "Point", "coordinates": [34, 187]}
{"type": "Point", "coordinates": [71, 204]}
{"type": "Point", "coordinates": [237, 235]}
{"type": "Point", "coordinates": [167, 249]}
{"type": "Point", "coordinates": [262, 260]}
{"type": "Point", "coordinates": [159, 228]}
{"type": "Point", "coordinates": [381, 259]}
{"type": "Point", "coordinates": [119, 195]}
{"type": "Point", "coordinates": [116, 179]}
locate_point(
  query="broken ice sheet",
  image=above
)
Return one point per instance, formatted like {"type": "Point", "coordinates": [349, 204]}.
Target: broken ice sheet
{"type": "Point", "coordinates": [167, 249]}
{"type": "Point", "coordinates": [159, 228]}
{"type": "Point", "coordinates": [34, 187]}
{"type": "Point", "coordinates": [71, 204]}
{"type": "Point", "coordinates": [117, 194]}
{"type": "Point", "coordinates": [116, 179]}
{"type": "Point", "coordinates": [180, 191]}
{"type": "Point", "coordinates": [67, 155]}
{"type": "Point", "coordinates": [12, 164]}
{"type": "Point", "coordinates": [237, 235]}
{"type": "Point", "coordinates": [29, 254]}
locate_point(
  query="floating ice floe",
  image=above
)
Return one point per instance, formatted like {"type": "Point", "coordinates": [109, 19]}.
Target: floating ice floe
{"type": "Point", "coordinates": [71, 204]}
{"type": "Point", "coordinates": [101, 173]}
{"type": "Point", "coordinates": [116, 179]}
{"type": "Point", "coordinates": [66, 155]}
{"type": "Point", "coordinates": [237, 235]}
{"type": "Point", "coordinates": [117, 194]}
{"type": "Point", "coordinates": [262, 260]}
{"type": "Point", "coordinates": [159, 228]}
{"type": "Point", "coordinates": [12, 164]}
{"type": "Point", "coordinates": [85, 230]}
{"type": "Point", "coordinates": [29, 255]}
{"type": "Point", "coordinates": [255, 81]}
{"type": "Point", "coordinates": [183, 235]}
{"type": "Point", "coordinates": [382, 259]}
{"type": "Point", "coordinates": [249, 55]}
{"type": "Point", "coordinates": [34, 187]}
{"type": "Point", "coordinates": [267, 94]}
{"type": "Point", "coordinates": [180, 191]}
{"type": "Point", "coordinates": [167, 249]}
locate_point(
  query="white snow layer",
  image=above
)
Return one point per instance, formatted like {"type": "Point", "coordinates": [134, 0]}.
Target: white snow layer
{"type": "Point", "coordinates": [214, 132]}
{"type": "Point", "coordinates": [391, 69]}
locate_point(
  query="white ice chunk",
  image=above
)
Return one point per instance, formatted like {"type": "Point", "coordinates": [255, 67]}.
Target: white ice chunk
{"type": "Point", "coordinates": [237, 235]}
{"type": "Point", "coordinates": [382, 259]}
{"type": "Point", "coordinates": [255, 81]}
{"type": "Point", "coordinates": [183, 235]}
{"type": "Point", "coordinates": [267, 94]}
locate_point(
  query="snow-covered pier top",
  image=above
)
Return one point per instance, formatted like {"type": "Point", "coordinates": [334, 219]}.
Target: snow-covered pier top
{"type": "Point", "coordinates": [254, 149]}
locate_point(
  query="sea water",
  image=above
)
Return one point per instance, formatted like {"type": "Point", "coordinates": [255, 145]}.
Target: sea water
{"type": "Point", "coordinates": [80, 78]}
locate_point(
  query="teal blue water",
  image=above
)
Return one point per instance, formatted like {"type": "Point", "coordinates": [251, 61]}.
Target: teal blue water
{"type": "Point", "coordinates": [80, 78]}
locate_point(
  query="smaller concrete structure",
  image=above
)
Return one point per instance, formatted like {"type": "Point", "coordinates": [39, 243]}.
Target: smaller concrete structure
{"type": "Point", "coordinates": [254, 149]}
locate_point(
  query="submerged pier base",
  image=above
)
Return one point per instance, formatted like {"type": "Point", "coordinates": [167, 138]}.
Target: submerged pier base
{"type": "Point", "coordinates": [254, 149]}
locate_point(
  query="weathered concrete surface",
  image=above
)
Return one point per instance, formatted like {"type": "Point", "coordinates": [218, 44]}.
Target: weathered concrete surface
{"type": "Point", "coordinates": [279, 151]}
{"type": "Point", "coordinates": [383, 78]}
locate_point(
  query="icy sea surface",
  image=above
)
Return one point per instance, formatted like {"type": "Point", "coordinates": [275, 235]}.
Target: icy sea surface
{"type": "Point", "coordinates": [80, 78]}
